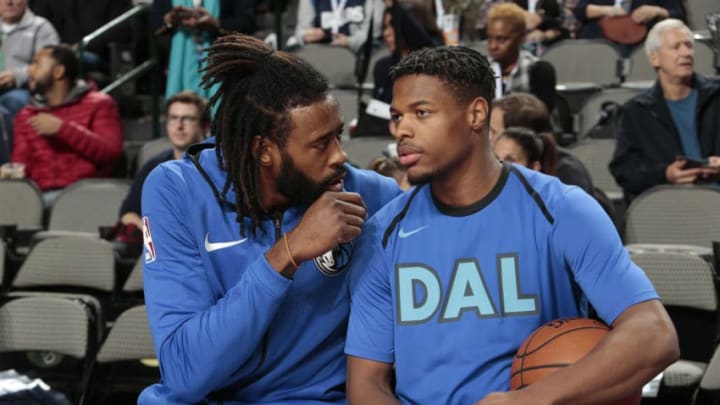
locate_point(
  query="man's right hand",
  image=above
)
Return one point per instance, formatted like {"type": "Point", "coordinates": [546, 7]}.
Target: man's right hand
{"type": "Point", "coordinates": [676, 173]}
{"type": "Point", "coordinates": [335, 218]}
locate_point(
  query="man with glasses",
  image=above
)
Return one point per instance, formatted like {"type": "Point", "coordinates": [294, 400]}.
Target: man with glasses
{"type": "Point", "coordinates": [188, 121]}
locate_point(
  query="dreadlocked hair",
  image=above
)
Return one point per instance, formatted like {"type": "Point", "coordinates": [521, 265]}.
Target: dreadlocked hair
{"type": "Point", "coordinates": [257, 88]}
{"type": "Point", "coordinates": [465, 71]}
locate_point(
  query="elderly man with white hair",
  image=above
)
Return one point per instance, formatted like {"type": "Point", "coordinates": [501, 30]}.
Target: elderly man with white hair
{"type": "Point", "coordinates": [669, 134]}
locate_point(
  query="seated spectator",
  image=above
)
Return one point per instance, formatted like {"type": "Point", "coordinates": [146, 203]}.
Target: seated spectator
{"type": "Point", "coordinates": [188, 121]}
{"type": "Point", "coordinates": [390, 166]}
{"type": "Point", "coordinates": [74, 19]}
{"type": "Point", "coordinates": [23, 34]}
{"type": "Point", "coordinates": [505, 35]}
{"type": "Point", "coordinates": [524, 147]}
{"type": "Point", "coordinates": [336, 23]}
{"type": "Point", "coordinates": [69, 131]}
{"type": "Point", "coordinates": [677, 119]}
{"type": "Point", "coordinates": [648, 12]}
{"type": "Point", "coordinates": [407, 26]}
{"type": "Point", "coordinates": [526, 110]}
{"type": "Point", "coordinates": [194, 24]}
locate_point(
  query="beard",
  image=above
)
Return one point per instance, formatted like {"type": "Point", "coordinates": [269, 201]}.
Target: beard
{"type": "Point", "coordinates": [41, 86]}
{"type": "Point", "coordinates": [298, 187]}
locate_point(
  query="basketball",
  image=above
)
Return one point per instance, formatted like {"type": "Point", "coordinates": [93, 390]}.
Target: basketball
{"type": "Point", "coordinates": [555, 345]}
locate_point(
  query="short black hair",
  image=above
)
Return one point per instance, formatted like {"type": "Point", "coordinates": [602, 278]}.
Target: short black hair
{"type": "Point", "coordinates": [66, 56]}
{"type": "Point", "coordinates": [190, 97]}
{"type": "Point", "coordinates": [258, 87]}
{"type": "Point", "coordinates": [466, 71]}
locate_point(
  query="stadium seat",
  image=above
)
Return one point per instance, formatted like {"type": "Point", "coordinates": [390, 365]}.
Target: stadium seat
{"type": "Point", "coordinates": [669, 214]}
{"type": "Point", "coordinates": [50, 323]}
{"type": "Point", "coordinates": [709, 392]}
{"type": "Point", "coordinates": [348, 100]}
{"type": "Point", "coordinates": [20, 204]}
{"type": "Point", "coordinates": [590, 110]}
{"type": "Point", "coordinates": [336, 63]}
{"type": "Point", "coordinates": [134, 282]}
{"type": "Point", "coordinates": [697, 10]}
{"type": "Point", "coordinates": [376, 55]}
{"type": "Point", "coordinates": [361, 151]}
{"type": "Point", "coordinates": [87, 205]}
{"type": "Point", "coordinates": [118, 370]}
{"type": "Point", "coordinates": [150, 149]}
{"type": "Point", "coordinates": [596, 155]}
{"type": "Point", "coordinates": [591, 62]}
{"type": "Point", "coordinates": [686, 285]}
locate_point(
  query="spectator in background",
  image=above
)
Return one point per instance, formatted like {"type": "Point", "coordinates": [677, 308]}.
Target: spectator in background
{"type": "Point", "coordinates": [407, 26]}
{"type": "Point", "coordinates": [524, 147]}
{"type": "Point", "coordinates": [74, 19]}
{"type": "Point", "coordinates": [23, 34]}
{"type": "Point", "coordinates": [526, 110]}
{"type": "Point", "coordinates": [648, 12]}
{"type": "Point", "coordinates": [188, 121]}
{"type": "Point", "coordinates": [338, 23]}
{"type": "Point", "coordinates": [505, 35]}
{"type": "Point", "coordinates": [546, 20]}
{"type": "Point", "coordinates": [194, 24]}
{"type": "Point", "coordinates": [678, 116]}
{"type": "Point", "coordinates": [69, 131]}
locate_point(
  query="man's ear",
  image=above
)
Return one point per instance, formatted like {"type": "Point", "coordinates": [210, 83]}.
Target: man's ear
{"type": "Point", "coordinates": [265, 150]}
{"type": "Point", "coordinates": [58, 71]}
{"type": "Point", "coordinates": [478, 113]}
{"type": "Point", "coordinates": [654, 59]}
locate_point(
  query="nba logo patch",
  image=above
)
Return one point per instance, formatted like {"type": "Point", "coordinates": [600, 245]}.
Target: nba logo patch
{"type": "Point", "coordinates": [150, 255]}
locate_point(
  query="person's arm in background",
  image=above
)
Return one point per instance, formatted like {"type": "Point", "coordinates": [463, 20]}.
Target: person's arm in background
{"type": "Point", "coordinates": [648, 13]}
{"type": "Point", "coordinates": [21, 131]}
{"type": "Point", "coordinates": [305, 30]}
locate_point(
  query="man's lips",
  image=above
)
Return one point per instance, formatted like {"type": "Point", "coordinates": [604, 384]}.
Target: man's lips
{"type": "Point", "coordinates": [408, 154]}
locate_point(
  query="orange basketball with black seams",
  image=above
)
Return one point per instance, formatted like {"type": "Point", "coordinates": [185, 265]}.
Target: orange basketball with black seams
{"type": "Point", "coordinates": [556, 345]}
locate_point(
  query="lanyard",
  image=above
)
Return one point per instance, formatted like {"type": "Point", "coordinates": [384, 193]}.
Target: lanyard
{"type": "Point", "coordinates": [440, 9]}
{"type": "Point", "coordinates": [498, 79]}
{"type": "Point", "coordinates": [532, 4]}
{"type": "Point", "coordinates": [337, 9]}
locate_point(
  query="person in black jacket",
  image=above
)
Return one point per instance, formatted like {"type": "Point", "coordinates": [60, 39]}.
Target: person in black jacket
{"type": "Point", "coordinates": [675, 122]}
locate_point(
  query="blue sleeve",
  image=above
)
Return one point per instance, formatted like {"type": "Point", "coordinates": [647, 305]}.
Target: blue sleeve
{"type": "Point", "coordinates": [371, 328]}
{"type": "Point", "coordinates": [375, 189]}
{"type": "Point", "coordinates": [591, 247]}
{"type": "Point", "coordinates": [202, 338]}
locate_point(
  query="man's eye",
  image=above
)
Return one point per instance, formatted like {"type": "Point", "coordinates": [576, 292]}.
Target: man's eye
{"type": "Point", "coordinates": [395, 117]}
{"type": "Point", "coordinates": [422, 113]}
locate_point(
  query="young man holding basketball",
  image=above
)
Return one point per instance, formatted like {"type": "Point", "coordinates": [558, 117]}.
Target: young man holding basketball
{"type": "Point", "coordinates": [456, 273]}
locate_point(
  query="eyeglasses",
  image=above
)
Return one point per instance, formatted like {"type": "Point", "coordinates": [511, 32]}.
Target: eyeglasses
{"type": "Point", "coordinates": [185, 119]}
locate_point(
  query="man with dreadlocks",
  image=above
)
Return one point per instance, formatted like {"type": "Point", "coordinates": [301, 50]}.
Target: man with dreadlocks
{"type": "Point", "coordinates": [247, 243]}
{"type": "Point", "coordinates": [454, 275]}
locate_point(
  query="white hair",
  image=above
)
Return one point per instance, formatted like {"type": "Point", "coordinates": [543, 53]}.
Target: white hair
{"type": "Point", "coordinates": [653, 42]}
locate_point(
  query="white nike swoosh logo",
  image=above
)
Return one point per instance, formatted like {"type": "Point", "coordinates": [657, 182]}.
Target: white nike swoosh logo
{"type": "Point", "coordinates": [211, 247]}
{"type": "Point", "coordinates": [404, 234]}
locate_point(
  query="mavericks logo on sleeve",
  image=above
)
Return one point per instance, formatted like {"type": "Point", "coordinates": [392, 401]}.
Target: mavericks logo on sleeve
{"type": "Point", "coordinates": [150, 255]}
{"type": "Point", "coordinates": [335, 261]}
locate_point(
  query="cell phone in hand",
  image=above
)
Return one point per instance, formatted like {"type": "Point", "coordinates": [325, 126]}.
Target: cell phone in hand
{"type": "Point", "coordinates": [693, 163]}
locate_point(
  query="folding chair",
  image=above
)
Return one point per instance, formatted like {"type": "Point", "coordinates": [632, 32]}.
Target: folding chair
{"type": "Point", "coordinates": [63, 325]}
{"type": "Point", "coordinates": [590, 111]}
{"type": "Point", "coordinates": [667, 214]}
{"type": "Point", "coordinates": [686, 285]}
{"type": "Point", "coordinates": [696, 11]}
{"type": "Point", "coordinates": [361, 151]}
{"type": "Point", "coordinates": [118, 370]}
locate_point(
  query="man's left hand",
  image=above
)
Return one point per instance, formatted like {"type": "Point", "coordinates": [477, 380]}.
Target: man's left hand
{"type": "Point", "coordinates": [509, 398]}
{"type": "Point", "coordinates": [45, 124]}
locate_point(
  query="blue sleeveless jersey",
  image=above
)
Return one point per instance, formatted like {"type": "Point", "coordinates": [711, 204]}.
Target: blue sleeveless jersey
{"type": "Point", "coordinates": [449, 294]}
